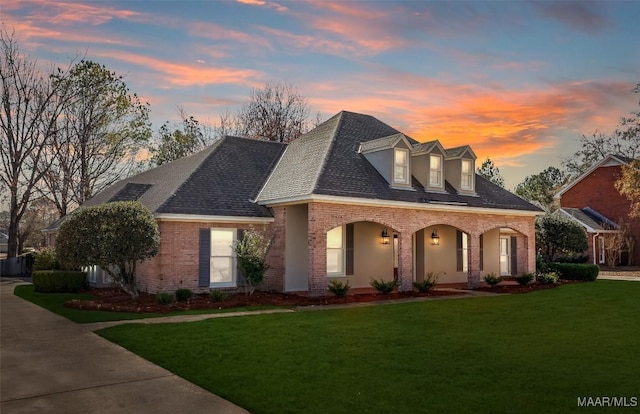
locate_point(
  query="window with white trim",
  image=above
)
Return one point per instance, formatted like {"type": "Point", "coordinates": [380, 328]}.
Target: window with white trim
{"type": "Point", "coordinates": [335, 252]}
{"type": "Point", "coordinates": [223, 259]}
{"type": "Point", "coordinates": [435, 170]}
{"type": "Point", "coordinates": [467, 175]}
{"type": "Point", "coordinates": [400, 166]}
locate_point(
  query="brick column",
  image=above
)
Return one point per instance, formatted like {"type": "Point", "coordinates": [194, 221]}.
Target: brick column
{"type": "Point", "coordinates": [531, 248]}
{"type": "Point", "coordinates": [317, 254]}
{"type": "Point", "coordinates": [405, 262]}
{"type": "Point", "coordinates": [474, 261]}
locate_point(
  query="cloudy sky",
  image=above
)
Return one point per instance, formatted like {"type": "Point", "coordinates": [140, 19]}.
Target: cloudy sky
{"type": "Point", "coordinates": [518, 81]}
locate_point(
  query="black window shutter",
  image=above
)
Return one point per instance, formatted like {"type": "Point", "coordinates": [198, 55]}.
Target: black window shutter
{"type": "Point", "coordinates": [481, 252]}
{"type": "Point", "coordinates": [459, 265]}
{"type": "Point", "coordinates": [349, 250]}
{"type": "Point", "coordinates": [204, 256]}
{"type": "Point", "coordinates": [239, 273]}
{"type": "Point", "coordinates": [514, 255]}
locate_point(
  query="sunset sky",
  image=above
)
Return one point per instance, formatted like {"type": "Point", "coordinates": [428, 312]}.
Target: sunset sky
{"type": "Point", "coordinates": [518, 81]}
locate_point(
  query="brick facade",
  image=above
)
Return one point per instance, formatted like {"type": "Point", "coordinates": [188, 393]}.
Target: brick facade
{"type": "Point", "coordinates": [597, 190]}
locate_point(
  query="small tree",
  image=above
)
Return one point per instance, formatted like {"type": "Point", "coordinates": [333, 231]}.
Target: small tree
{"type": "Point", "coordinates": [489, 171]}
{"type": "Point", "coordinates": [556, 235]}
{"type": "Point", "coordinates": [114, 236]}
{"type": "Point", "coordinates": [251, 253]}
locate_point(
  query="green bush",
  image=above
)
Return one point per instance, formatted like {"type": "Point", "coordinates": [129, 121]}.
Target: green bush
{"type": "Point", "coordinates": [492, 279]}
{"type": "Point", "coordinates": [384, 287]}
{"type": "Point", "coordinates": [548, 278]}
{"type": "Point", "coordinates": [430, 280]}
{"type": "Point", "coordinates": [58, 281]}
{"type": "Point", "coordinates": [576, 271]}
{"type": "Point", "coordinates": [165, 298]}
{"type": "Point", "coordinates": [524, 278]}
{"type": "Point", "coordinates": [217, 295]}
{"type": "Point", "coordinates": [182, 295]}
{"type": "Point", "coordinates": [338, 288]}
{"type": "Point", "coordinates": [46, 259]}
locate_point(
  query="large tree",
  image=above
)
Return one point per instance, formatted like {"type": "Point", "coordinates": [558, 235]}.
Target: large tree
{"type": "Point", "coordinates": [177, 141]}
{"type": "Point", "coordinates": [629, 186]}
{"type": "Point", "coordinates": [489, 171]}
{"type": "Point", "coordinates": [276, 112]}
{"type": "Point", "coordinates": [101, 129]}
{"type": "Point", "coordinates": [31, 103]}
{"type": "Point", "coordinates": [625, 140]}
{"type": "Point", "coordinates": [540, 188]}
{"type": "Point", "coordinates": [114, 236]}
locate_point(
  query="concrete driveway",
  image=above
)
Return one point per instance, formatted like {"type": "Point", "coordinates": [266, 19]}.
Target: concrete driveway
{"type": "Point", "coordinates": [49, 364]}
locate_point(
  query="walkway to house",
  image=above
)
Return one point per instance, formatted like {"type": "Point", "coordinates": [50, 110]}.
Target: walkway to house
{"type": "Point", "coordinates": [49, 364]}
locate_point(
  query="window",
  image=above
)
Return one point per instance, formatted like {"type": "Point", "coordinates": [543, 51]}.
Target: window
{"type": "Point", "coordinates": [467, 175]}
{"type": "Point", "coordinates": [222, 261]}
{"type": "Point", "coordinates": [401, 166]}
{"type": "Point", "coordinates": [335, 252]}
{"type": "Point", "coordinates": [462, 245]}
{"type": "Point", "coordinates": [435, 170]}
{"type": "Point", "coordinates": [340, 251]}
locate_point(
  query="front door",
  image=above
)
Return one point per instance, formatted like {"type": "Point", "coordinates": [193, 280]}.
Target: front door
{"type": "Point", "coordinates": [505, 256]}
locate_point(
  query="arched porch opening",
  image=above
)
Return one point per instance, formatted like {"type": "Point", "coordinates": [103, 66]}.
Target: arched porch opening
{"type": "Point", "coordinates": [442, 250]}
{"type": "Point", "coordinates": [503, 252]}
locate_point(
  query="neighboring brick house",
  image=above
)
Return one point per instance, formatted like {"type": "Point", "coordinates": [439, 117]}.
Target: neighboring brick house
{"type": "Point", "coordinates": [353, 199]}
{"type": "Point", "coordinates": [593, 201]}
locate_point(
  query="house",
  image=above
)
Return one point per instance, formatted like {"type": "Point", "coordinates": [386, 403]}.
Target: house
{"type": "Point", "coordinates": [353, 199]}
{"type": "Point", "coordinates": [593, 201]}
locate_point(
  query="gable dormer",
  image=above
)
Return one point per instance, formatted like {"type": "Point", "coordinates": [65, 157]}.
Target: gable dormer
{"type": "Point", "coordinates": [459, 167]}
{"type": "Point", "coordinates": [391, 157]}
{"type": "Point", "coordinates": [428, 165]}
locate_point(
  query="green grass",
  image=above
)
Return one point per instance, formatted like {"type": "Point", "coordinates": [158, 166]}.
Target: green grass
{"type": "Point", "coordinates": [54, 302]}
{"type": "Point", "coordinates": [530, 353]}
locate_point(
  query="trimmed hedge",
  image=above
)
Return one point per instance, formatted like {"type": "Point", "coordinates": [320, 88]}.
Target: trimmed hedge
{"type": "Point", "coordinates": [576, 271]}
{"type": "Point", "coordinates": [58, 281]}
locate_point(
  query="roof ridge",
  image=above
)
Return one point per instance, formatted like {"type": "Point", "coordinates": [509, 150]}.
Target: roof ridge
{"type": "Point", "coordinates": [328, 151]}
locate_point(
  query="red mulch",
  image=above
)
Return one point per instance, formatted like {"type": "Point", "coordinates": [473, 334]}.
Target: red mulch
{"type": "Point", "coordinates": [114, 299]}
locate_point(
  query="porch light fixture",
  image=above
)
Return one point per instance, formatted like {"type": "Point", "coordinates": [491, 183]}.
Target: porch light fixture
{"type": "Point", "coordinates": [385, 237]}
{"type": "Point", "coordinates": [435, 239]}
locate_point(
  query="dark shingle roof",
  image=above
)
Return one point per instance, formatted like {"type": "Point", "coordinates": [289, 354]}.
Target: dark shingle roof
{"type": "Point", "coordinates": [590, 219]}
{"type": "Point", "coordinates": [221, 180]}
{"type": "Point", "coordinates": [347, 173]}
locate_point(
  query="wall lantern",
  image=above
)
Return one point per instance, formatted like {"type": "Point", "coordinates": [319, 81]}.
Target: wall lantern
{"type": "Point", "coordinates": [435, 239]}
{"type": "Point", "coordinates": [385, 237]}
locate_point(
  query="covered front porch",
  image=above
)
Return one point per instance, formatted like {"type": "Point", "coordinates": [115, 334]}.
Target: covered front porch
{"type": "Point", "coordinates": [327, 241]}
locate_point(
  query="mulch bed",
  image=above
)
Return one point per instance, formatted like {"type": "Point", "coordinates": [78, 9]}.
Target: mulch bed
{"type": "Point", "coordinates": [113, 299]}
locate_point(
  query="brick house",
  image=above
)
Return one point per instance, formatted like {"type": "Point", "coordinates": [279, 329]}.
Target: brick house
{"type": "Point", "coordinates": [593, 201]}
{"type": "Point", "coordinates": [353, 199]}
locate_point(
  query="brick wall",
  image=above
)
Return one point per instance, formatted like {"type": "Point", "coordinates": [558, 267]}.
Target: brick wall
{"type": "Point", "coordinates": [597, 191]}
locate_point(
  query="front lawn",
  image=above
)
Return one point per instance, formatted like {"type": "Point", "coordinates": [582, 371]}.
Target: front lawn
{"type": "Point", "coordinates": [529, 353]}
{"type": "Point", "coordinates": [54, 302]}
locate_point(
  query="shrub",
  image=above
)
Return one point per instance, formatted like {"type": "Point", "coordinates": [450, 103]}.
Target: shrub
{"type": "Point", "coordinates": [46, 259]}
{"type": "Point", "coordinates": [430, 280]}
{"type": "Point", "coordinates": [576, 271]}
{"type": "Point", "coordinates": [524, 278]}
{"type": "Point", "coordinates": [165, 298]}
{"type": "Point", "coordinates": [338, 288]}
{"type": "Point", "coordinates": [547, 278]}
{"type": "Point", "coordinates": [183, 295]}
{"type": "Point", "coordinates": [58, 281]}
{"type": "Point", "coordinates": [384, 287]}
{"type": "Point", "coordinates": [492, 279]}
{"type": "Point", "coordinates": [217, 295]}
{"type": "Point", "coordinates": [251, 253]}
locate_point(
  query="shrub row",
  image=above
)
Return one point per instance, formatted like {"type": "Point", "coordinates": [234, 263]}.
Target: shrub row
{"type": "Point", "coordinates": [58, 281]}
{"type": "Point", "coordinates": [575, 271]}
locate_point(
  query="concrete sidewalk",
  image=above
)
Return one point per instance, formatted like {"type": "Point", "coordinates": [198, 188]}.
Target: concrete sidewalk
{"type": "Point", "coordinates": [49, 364]}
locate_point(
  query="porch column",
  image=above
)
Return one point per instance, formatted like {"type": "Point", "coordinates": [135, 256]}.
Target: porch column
{"type": "Point", "coordinates": [405, 262]}
{"type": "Point", "coordinates": [531, 248]}
{"type": "Point", "coordinates": [317, 255]}
{"type": "Point", "coordinates": [474, 261]}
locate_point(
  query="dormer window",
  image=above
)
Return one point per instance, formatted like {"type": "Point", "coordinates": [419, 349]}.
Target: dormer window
{"type": "Point", "coordinates": [467, 175]}
{"type": "Point", "coordinates": [400, 166]}
{"type": "Point", "coordinates": [435, 170]}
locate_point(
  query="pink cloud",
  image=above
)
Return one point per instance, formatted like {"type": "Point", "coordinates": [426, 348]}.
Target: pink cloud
{"type": "Point", "coordinates": [262, 3]}
{"type": "Point", "coordinates": [175, 74]}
